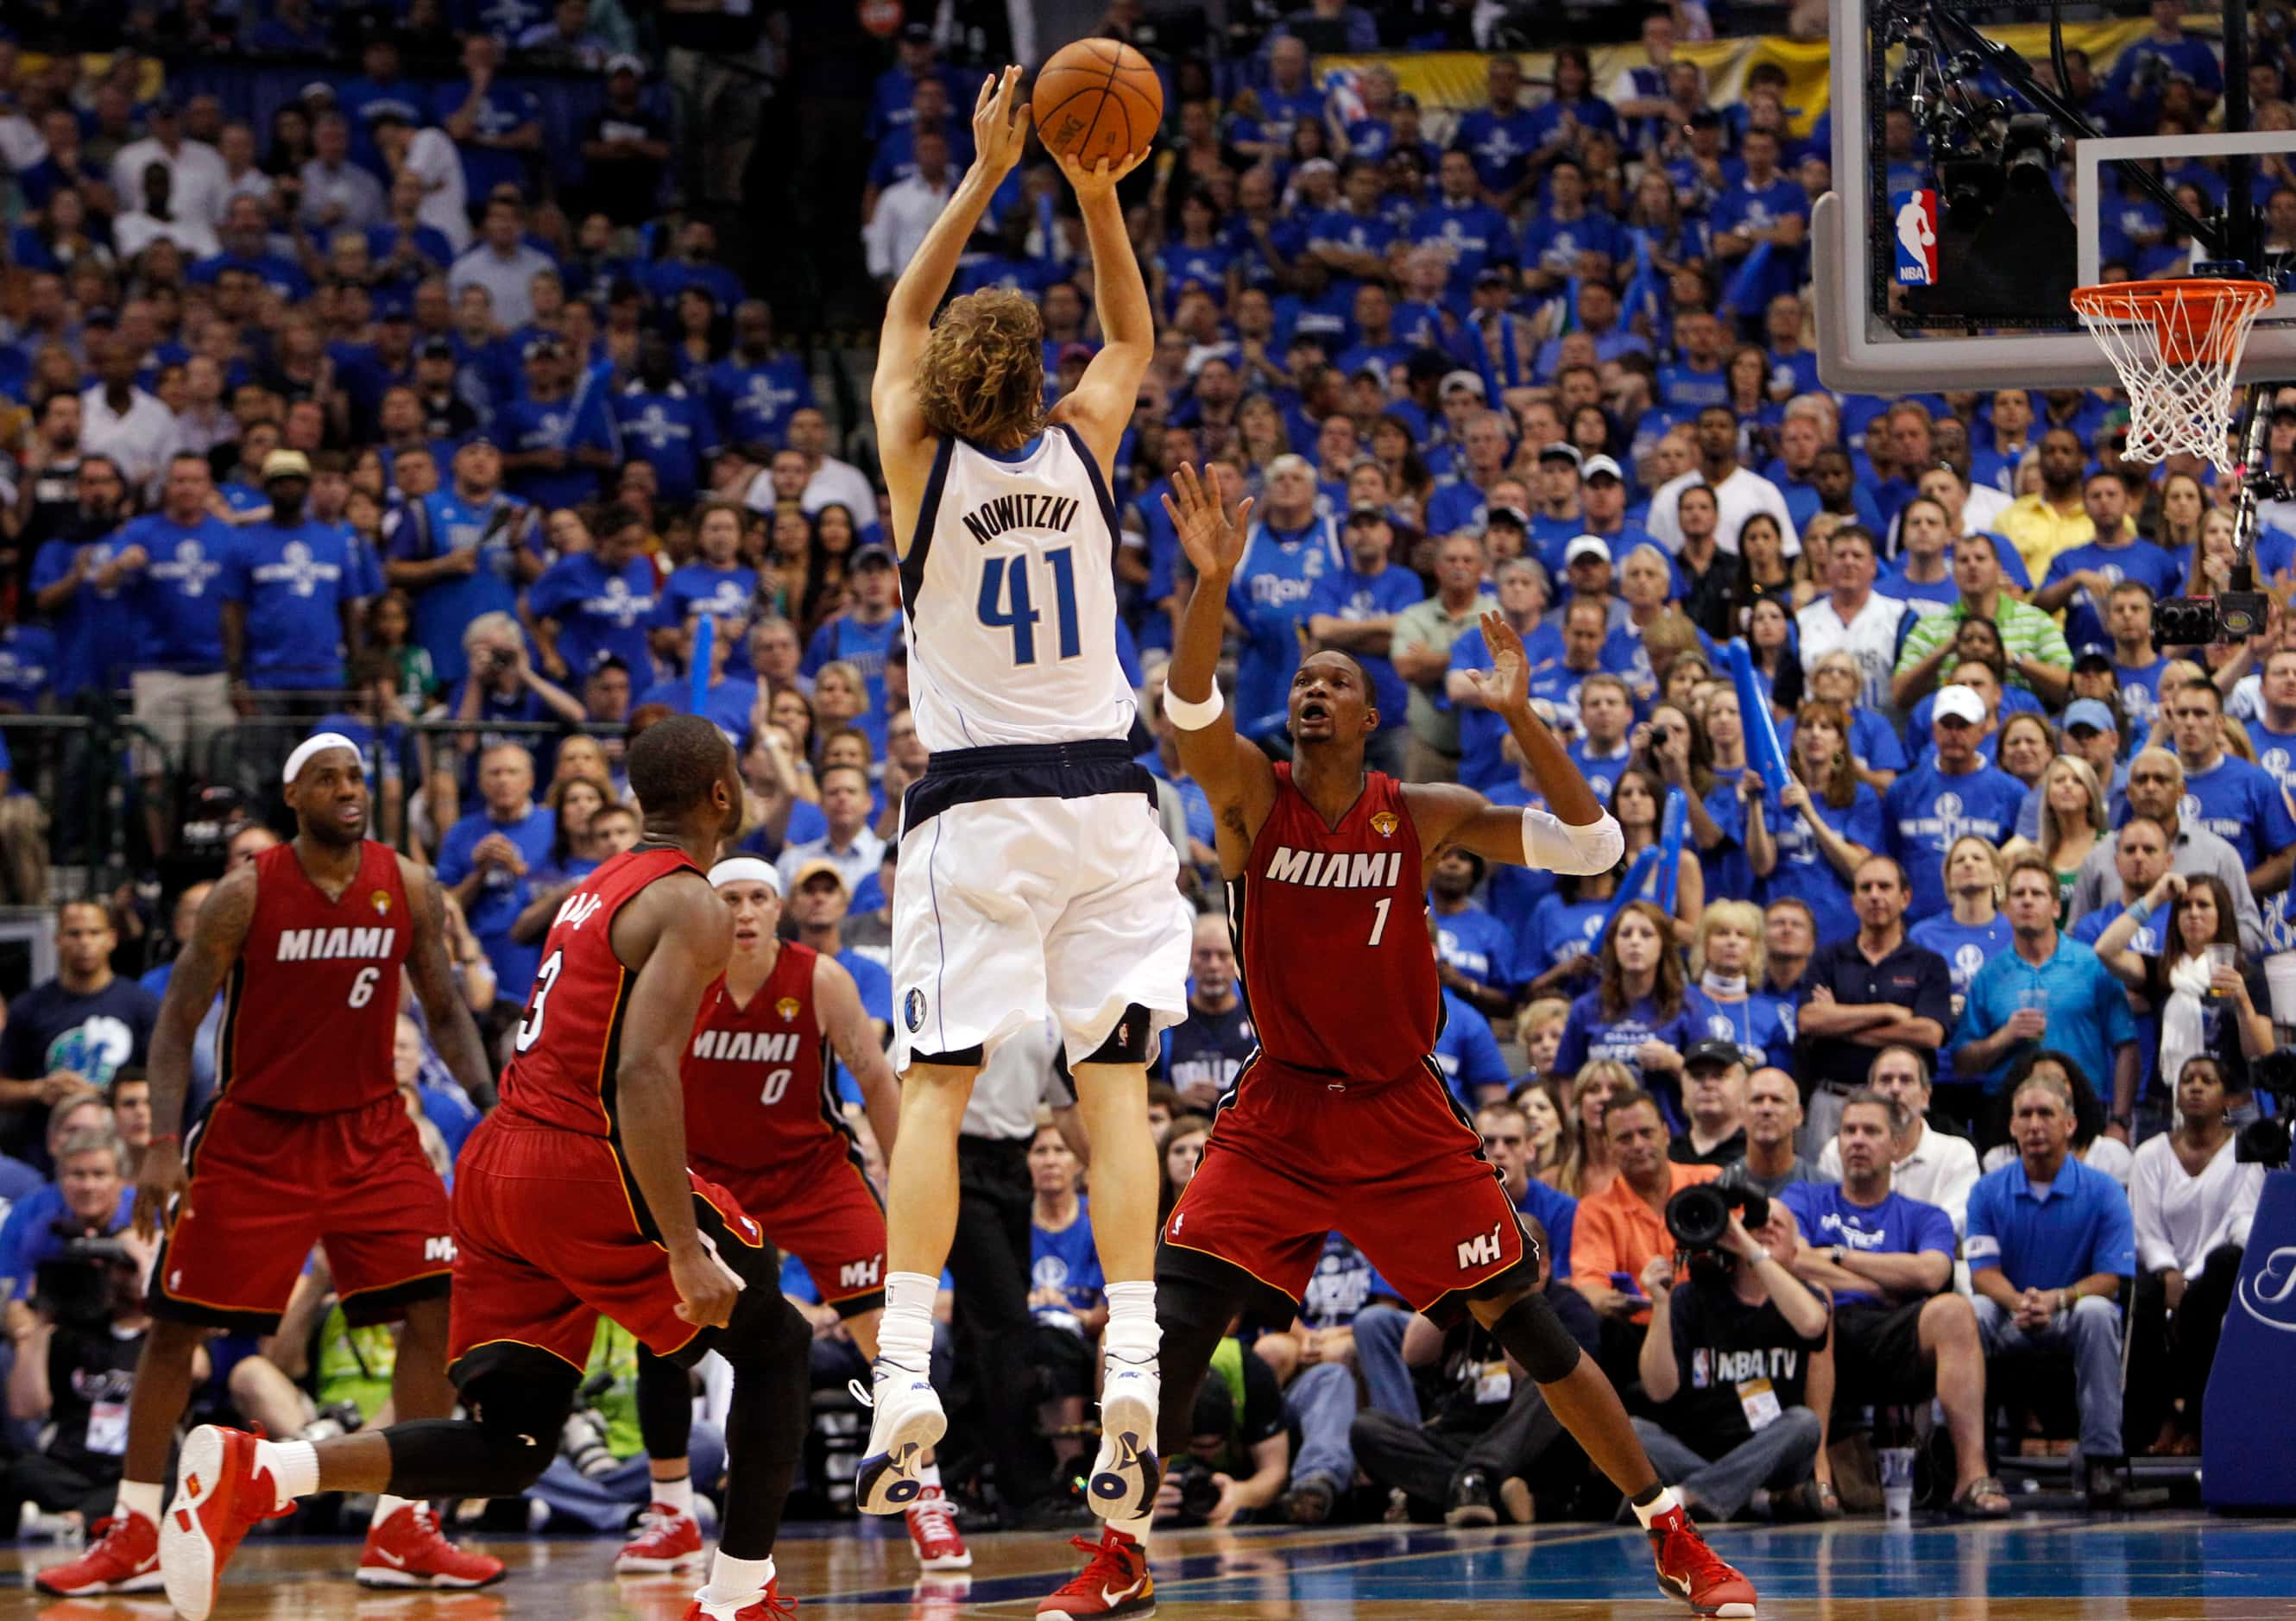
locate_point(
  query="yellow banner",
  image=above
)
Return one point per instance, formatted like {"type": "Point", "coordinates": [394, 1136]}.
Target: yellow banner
{"type": "Point", "coordinates": [1448, 83]}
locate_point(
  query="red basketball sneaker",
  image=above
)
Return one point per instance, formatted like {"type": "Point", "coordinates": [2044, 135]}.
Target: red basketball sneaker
{"type": "Point", "coordinates": [1114, 1583]}
{"type": "Point", "coordinates": [124, 1559]}
{"type": "Point", "coordinates": [1691, 1571]}
{"type": "Point", "coordinates": [223, 1484]}
{"type": "Point", "coordinates": [667, 1540]}
{"type": "Point", "coordinates": [932, 1527]}
{"type": "Point", "coordinates": [408, 1549]}
{"type": "Point", "coordinates": [768, 1606]}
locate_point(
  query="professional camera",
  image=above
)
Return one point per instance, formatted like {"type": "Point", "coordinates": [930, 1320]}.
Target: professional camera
{"type": "Point", "coordinates": [81, 1285]}
{"type": "Point", "coordinates": [2265, 1142]}
{"type": "Point", "coordinates": [1200, 1494]}
{"type": "Point", "coordinates": [1700, 1214]}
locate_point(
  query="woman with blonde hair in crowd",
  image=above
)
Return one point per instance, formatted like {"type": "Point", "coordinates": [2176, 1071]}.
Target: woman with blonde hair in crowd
{"type": "Point", "coordinates": [2072, 821]}
{"type": "Point", "coordinates": [1974, 931]}
{"type": "Point", "coordinates": [1729, 962]}
{"type": "Point", "coordinates": [1541, 1031]}
{"type": "Point", "coordinates": [1586, 1167]}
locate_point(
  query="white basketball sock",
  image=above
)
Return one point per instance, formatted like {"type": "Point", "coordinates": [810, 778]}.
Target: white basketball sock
{"type": "Point", "coordinates": [734, 1583]}
{"type": "Point", "coordinates": [1132, 1332]}
{"type": "Point", "coordinates": [386, 1506]}
{"type": "Point", "coordinates": [141, 1497]}
{"type": "Point", "coordinates": [905, 1332]}
{"type": "Point", "coordinates": [294, 1469]}
{"type": "Point", "coordinates": [1665, 1502]}
{"type": "Point", "coordinates": [677, 1494]}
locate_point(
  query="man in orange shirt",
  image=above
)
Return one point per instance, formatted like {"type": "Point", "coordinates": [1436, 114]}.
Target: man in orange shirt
{"type": "Point", "coordinates": [1622, 1227]}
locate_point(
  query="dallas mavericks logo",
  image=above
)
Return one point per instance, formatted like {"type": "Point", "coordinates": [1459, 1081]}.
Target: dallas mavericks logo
{"type": "Point", "coordinates": [1720, 1029]}
{"type": "Point", "coordinates": [1787, 1021]}
{"type": "Point", "coordinates": [1948, 807]}
{"type": "Point", "coordinates": [2270, 1296]}
{"type": "Point", "coordinates": [912, 1010]}
{"type": "Point", "coordinates": [190, 567]}
{"type": "Point", "coordinates": [2188, 811]}
{"type": "Point", "coordinates": [2276, 761]}
{"type": "Point", "coordinates": [94, 1048]}
{"type": "Point", "coordinates": [1966, 960]}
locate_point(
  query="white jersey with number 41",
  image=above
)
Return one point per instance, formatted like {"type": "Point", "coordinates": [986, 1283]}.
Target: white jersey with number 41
{"type": "Point", "coordinates": [1009, 592]}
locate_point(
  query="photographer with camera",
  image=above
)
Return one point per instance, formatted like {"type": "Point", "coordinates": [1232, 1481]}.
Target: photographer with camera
{"type": "Point", "coordinates": [1239, 1452]}
{"type": "Point", "coordinates": [27, 1237]}
{"type": "Point", "coordinates": [1902, 1334]}
{"type": "Point", "coordinates": [76, 1350]}
{"type": "Point", "coordinates": [1739, 1357]}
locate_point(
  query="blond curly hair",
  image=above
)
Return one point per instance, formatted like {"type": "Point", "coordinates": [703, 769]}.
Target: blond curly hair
{"type": "Point", "coordinates": [983, 374]}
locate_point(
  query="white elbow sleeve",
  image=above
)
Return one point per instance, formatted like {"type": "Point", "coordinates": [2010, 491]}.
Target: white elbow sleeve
{"type": "Point", "coordinates": [1556, 846]}
{"type": "Point", "coordinates": [1193, 715]}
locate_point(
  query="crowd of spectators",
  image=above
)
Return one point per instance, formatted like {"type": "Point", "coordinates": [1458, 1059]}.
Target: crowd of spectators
{"type": "Point", "coordinates": [333, 423]}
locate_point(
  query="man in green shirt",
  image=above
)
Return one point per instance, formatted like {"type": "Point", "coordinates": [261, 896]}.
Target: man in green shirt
{"type": "Point", "coordinates": [2038, 657]}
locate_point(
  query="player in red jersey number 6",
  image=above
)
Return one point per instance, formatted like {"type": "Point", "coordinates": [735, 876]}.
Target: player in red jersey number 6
{"type": "Point", "coordinates": [1342, 1119]}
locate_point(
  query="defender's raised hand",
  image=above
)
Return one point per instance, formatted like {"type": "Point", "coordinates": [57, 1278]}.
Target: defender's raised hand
{"type": "Point", "coordinates": [1213, 539]}
{"type": "Point", "coordinates": [1505, 687]}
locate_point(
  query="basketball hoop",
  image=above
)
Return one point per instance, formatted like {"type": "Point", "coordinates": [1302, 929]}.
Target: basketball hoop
{"type": "Point", "coordinates": [2176, 345]}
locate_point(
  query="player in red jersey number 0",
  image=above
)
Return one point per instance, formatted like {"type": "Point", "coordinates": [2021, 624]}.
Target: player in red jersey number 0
{"type": "Point", "coordinates": [1326, 863]}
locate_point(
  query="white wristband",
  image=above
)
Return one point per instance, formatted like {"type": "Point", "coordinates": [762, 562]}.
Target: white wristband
{"type": "Point", "coordinates": [1193, 715]}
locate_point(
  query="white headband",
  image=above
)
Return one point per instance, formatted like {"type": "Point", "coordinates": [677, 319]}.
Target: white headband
{"type": "Point", "coordinates": [744, 869]}
{"type": "Point", "coordinates": [310, 746]}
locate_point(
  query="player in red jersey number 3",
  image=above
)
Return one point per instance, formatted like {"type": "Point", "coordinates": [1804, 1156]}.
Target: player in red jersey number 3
{"type": "Point", "coordinates": [1327, 865]}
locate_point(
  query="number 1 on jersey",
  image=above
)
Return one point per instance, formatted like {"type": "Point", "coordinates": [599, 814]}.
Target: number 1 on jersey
{"type": "Point", "coordinates": [1379, 919]}
{"type": "Point", "coordinates": [1005, 602]}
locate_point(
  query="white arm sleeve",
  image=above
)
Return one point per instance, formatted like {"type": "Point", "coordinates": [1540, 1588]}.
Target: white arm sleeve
{"type": "Point", "coordinates": [1553, 844]}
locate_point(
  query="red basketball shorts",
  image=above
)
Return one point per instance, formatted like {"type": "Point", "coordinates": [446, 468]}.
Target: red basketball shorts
{"type": "Point", "coordinates": [825, 1213]}
{"type": "Point", "coordinates": [1392, 1165]}
{"type": "Point", "coordinates": [549, 1237]}
{"type": "Point", "coordinates": [266, 1185]}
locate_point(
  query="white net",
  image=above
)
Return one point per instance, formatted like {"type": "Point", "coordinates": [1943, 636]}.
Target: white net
{"type": "Point", "coordinates": [2176, 346]}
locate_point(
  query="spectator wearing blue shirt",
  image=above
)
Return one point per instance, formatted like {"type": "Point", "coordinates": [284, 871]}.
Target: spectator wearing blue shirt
{"type": "Point", "coordinates": [1808, 844]}
{"type": "Point", "coordinates": [1901, 1334]}
{"type": "Point", "coordinates": [663, 425]}
{"type": "Point", "coordinates": [2081, 580]}
{"type": "Point", "coordinates": [486, 859]}
{"type": "Point", "coordinates": [1566, 231]}
{"type": "Point", "coordinates": [600, 601]}
{"type": "Point", "coordinates": [1974, 931]}
{"type": "Point", "coordinates": [173, 562]}
{"type": "Point", "coordinates": [1763, 207]}
{"type": "Point", "coordinates": [863, 635]}
{"type": "Point", "coordinates": [1468, 1054]}
{"type": "Point", "coordinates": [1500, 137]}
{"type": "Point", "coordinates": [1285, 558]}
{"type": "Point", "coordinates": [559, 437]}
{"type": "Point", "coordinates": [2046, 985]}
{"type": "Point", "coordinates": [1485, 762]}
{"type": "Point", "coordinates": [1351, 240]}
{"type": "Point", "coordinates": [2132, 90]}
{"type": "Point", "coordinates": [1640, 1014]}
{"type": "Point", "coordinates": [715, 583]}
{"type": "Point", "coordinates": [91, 1197]}
{"type": "Point", "coordinates": [729, 699]}
{"type": "Point", "coordinates": [1472, 234]}
{"type": "Point", "coordinates": [293, 591]}
{"type": "Point", "coordinates": [2242, 804]}
{"type": "Point", "coordinates": [1951, 793]}
{"type": "Point", "coordinates": [1473, 954]}
{"type": "Point", "coordinates": [2049, 1244]}
{"type": "Point", "coordinates": [1352, 610]}
{"type": "Point", "coordinates": [754, 390]}
{"type": "Point", "coordinates": [77, 583]}
{"type": "Point", "coordinates": [497, 129]}
{"type": "Point", "coordinates": [462, 551]}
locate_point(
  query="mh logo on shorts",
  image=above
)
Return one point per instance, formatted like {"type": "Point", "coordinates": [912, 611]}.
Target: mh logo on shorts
{"type": "Point", "coordinates": [438, 1249]}
{"type": "Point", "coordinates": [857, 1274]}
{"type": "Point", "coordinates": [912, 1010]}
{"type": "Point", "coordinates": [1479, 1250]}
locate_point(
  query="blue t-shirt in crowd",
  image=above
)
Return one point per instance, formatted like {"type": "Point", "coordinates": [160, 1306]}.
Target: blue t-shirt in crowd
{"type": "Point", "coordinates": [1559, 930]}
{"type": "Point", "coordinates": [723, 593]}
{"type": "Point", "coordinates": [1761, 1026]}
{"type": "Point", "coordinates": [2242, 804]}
{"type": "Point", "coordinates": [1349, 595]}
{"type": "Point", "coordinates": [669, 428]}
{"type": "Point", "coordinates": [850, 638]}
{"type": "Point", "coordinates": [443, 521]}
{"type": "Point", "coordinates": [1926, 810]}
{"type": "Point", "coordinates": [1067, 1261]}
{"type": "Point", "coordinates": [580, 422]}
{"type": "Point", "coordinates": [1802, 871]}
{"type": "Point", "coordinates": [2082, 1226]}
{"type": "Point", "coordinates": [177, 596]}
{"type": "Point", "coordinates": [2140, 560]}
{"type": "Point", "coordinates": [502, 896]}
{"type": "Point", "coordinates": [598, 612]}
{"type": "Point", "coordinates": [1269, 593]}
{"type": "Point", "coordinates": [1475, 942]}
{"type": "Point", "coordinates": [1466, 1052]}
{"type": "Point", "coordinates": [1965, 947]}
{"type": "Point", "coordinates": [29, 1237]}
{"type": "Point", "coordinates": [295, 584]}
{"type": "Point", "coordinates": [754, 404]}
{"type": "Point", "coordinates": [1589, 1034]}
{"type": "Point", "coordinates": [1558, 1213]}
{"type": "Point", "coordinates": [1826, 1215]}
{"type": "Point", "coordinates": [1342, 1284]}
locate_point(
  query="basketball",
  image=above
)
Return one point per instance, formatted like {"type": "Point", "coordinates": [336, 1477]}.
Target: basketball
{"type": "Point", "coordinates": [1097, 98]}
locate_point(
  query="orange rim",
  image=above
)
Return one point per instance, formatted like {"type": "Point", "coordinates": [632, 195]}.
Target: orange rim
{"type": "Point", "coordinates": [2200, 319]}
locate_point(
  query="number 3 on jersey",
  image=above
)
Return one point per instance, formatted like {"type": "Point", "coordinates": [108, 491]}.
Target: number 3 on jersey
{"type": "Point", "coordinates": [529, 1028]}
{"type": "Point", "coordinates": [1005, 602]}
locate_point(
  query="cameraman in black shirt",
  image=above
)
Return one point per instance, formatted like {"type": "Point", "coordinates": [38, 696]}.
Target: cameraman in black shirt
{"type": "Point", "coordinates": [1740, 1356]}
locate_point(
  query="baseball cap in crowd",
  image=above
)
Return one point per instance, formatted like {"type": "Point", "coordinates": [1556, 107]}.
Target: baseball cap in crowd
{"type": "Point", "coordinates": [2093, 660]}
{"type": "Point", "coordinates": [807, 870]}
{"type": "Point", "coordinates": [1366, 514]}
{"type": "Point", "coordinates": [434, 349]}
{"type": "Point", "coordinates": [622, 62]}
{"type": "Point", "coordinates": [537, 348]}
{"type": "Point", "coordinates": [1594, 545]}
{"type": "Point", "coordinates": [1514, 515]}
{"type": "Point", "coordinates": [917, 34]}
{"type": "Point", "coordinates": [1456, 380]}
{"type": "Point", "coordinates": [1493, 278]}
{"type": "Point", "coordinates": [876, 553]}
{"type": "Point", "coordinates": [1404, 98]}
{"type": "Point", "coordinates": [1073, 351]}
{"type": "Point", "coordinates": [317, 90]}
{"type": "Point", "coordinates": [1960, 703]}
{"type": "Point", "coordinates": [2091, 713]}
{"type": "Point", "coordinates": [1601, 467]}
{"type": "Point", "coordinates": [1713, 1051]}
{"type": "Point", "coordinates": [1374, 370]}
{"type": "Point", "coordinates": [1427, 366]}
{"type": "Point", "coordinates": [286, 465]}
{"type": "Point", "coordinates": [1559, 451]}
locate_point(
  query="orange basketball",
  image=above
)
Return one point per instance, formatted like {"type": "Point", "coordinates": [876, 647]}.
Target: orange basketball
{"type": "Point", "coordinates": [1097, 98]}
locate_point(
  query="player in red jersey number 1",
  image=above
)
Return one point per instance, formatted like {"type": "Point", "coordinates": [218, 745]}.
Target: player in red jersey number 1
{"type": "Point", "coordinates": [1326, 863]}
{"type": "Point", "coordinates": [306, 1142]}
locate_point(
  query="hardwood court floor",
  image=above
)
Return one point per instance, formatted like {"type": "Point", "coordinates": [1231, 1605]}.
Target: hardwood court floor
{"type": "Point", "coordinates": [2152, 1568]}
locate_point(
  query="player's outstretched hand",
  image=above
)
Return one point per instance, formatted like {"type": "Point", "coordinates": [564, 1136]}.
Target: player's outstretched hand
{"type": "Point", "coordinates": [1000, 124]}
{"type": "Point", "coordinates": [158, 1181]}
{"type": "Point", "coordinates": [1505, 687]}
{"type": "Point", "coordinates": [1213, 539]}
{"type": "Point", "coordinates": [1099, 180]}
{"type": "Point", "coordinates": [706, 1293]}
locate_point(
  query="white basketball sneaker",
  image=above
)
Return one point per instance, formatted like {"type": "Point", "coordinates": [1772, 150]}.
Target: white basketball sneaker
{"type": "Point", "coordinates": [905, 1423]}
{"type": "Point", "coordinates": [1125, 1474]}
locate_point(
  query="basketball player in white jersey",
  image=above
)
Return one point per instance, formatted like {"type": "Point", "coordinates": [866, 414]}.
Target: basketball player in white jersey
{"type": "Point", "coordinates": [1034, 874]}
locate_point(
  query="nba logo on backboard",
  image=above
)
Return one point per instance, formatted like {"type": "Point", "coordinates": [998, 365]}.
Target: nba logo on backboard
{"type": "Point", "coordinates": [1915, 213]}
